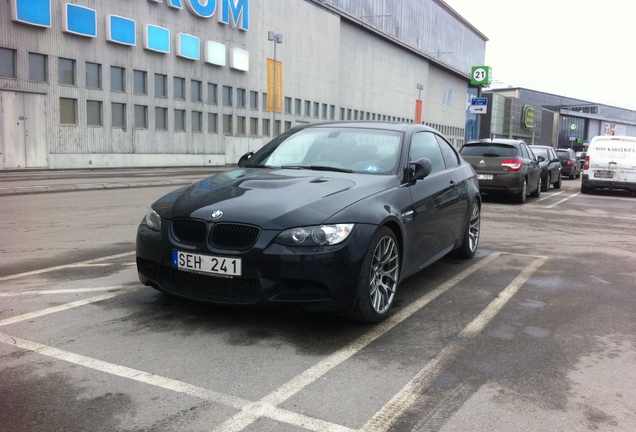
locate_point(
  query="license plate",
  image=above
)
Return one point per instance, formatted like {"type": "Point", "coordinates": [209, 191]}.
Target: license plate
{"type": "Point", "coordinates": [206, 263]}
{"type": "Point", "coordinates": [485, 177]}
{"type": "Point", "coordinates": [604, 174]}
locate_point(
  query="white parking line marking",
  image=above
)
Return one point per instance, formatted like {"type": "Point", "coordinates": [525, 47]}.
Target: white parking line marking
{"type": "Point", "coordinates": [267, 406]}
{"type": "Point", "coordinates": [59, 308]}
{"type": "Point", "coordinates": [284, 392]}
{"type": "Point", "coordinates": [60, 291]}
{"type": "Point", "coordinates": [65, 266]}
{"type": "Point", "coordinates": [392, 410]}
{"type": "Point", "coordinates": [552, 195]}
{"type": "Point", "coordinates": [124, 372]}
{"type": "Point", "coordinates": [562, 201]}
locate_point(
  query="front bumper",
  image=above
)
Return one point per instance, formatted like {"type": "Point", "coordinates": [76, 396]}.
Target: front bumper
{"type": "Point", "coordinates": [316, 279]}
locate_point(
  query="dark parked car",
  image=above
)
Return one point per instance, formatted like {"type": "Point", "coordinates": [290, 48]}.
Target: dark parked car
{"type": "Point", "coordinates": [581, 157]}
{"type": "Point", "coordinates": [550, 166]}
{"type": "Point", "coordinates": [326, 217]}
{"type": "Point", "coordinates": [570, 165]}
{"type": "Point", "coordinates": [504, 166]}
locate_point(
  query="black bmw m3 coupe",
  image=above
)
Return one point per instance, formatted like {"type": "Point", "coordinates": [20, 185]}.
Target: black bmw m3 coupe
{"type": "Point", "coordinates": [328, 217]}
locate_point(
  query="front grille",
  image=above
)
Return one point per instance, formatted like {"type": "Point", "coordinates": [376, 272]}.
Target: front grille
{"type": "Point", "coordinates": [213, 289]}
{"type": "Point", "coordinates": [233, 236]}
{"type": "Point", "coordinates": [189, 230]}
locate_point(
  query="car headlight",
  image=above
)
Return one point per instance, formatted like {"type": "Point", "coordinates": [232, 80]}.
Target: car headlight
{"type": "Point", "coordinates": [153, 220]}
{"type": "Point", "coordinates": [321, 235]}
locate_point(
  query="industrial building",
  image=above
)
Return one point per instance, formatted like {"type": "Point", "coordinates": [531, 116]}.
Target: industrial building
{"type": "Point", "coordinates": [141, 83]}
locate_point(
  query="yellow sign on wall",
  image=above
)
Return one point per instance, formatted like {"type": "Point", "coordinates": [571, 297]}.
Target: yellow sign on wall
{"type": "Point", "coordinates": [274, 85]}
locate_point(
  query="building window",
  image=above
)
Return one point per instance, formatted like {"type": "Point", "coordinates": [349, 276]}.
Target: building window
{"type": "Point", "coordinates": [332, 114]}
{"type": "Point", "coordinates": [93, 75]}
{"type": "Point", "coordinates": [324, 111]}
{"type": "Point", "coordinates": [316, 109]}
{"type": "Point", "coordinates": [298, 107]}
{"type": "Point", "coordinates": [118, 115]}
{"type": "Point", "coordinates": [264, 101]}
{"type": "Point", "coordinates": [38, 67]}
{"type": "Point", "coordinates": [266, 126]}
{"type": "Point", "coordinates": [67, 71]}
{"type": "Point", "coordinates": [7, 63]}
{"type": "Point", "coordinates": [195, 91]}
{"type": "Point", "coordinates": [227, 96]}
{"type": "Point", "coordinates": [94, 113]}
{"type": "Point", "coordinates": [197, 120]}
{"type": "Point", "coordinates": [179, 88]}
{"type": "Point", "coordinates": [307, 109]}
{"type": "Point", "coordinates": [140, 82]}
{"type": "Point", "coordinates": [141, 117]}
{"type": "Point", "coordinates": [342, 113]}
{"type": "Point", "coordinates": [68, 111]}
{"type": "Point", "coordinates": [179, 120]}
{"type": "Point", "coordinates": [253, 126]}
{"type": "Point", "coordinates": [288, 125]}
{"type": "Point", "coordinates": [212, 94]}
{"type": "Point", "coordinates": [277, 128]}
{"type": "Point", "coordinates": [288, 105]}
{"type": "Point", "coordinates": [161, 118]}
{"type": "Point", "coordinates": [240, 98]}
{"type": "Point", "coordinates": [117, 79]}
{"type": "Point", "coordinates": [240, 125]}
{"type": "Point", "coordinates": [161, 84]}
{"type": "Point", "coordinates": [227, 124]}
{"type": "Point", "coordinates": [213, 122]}
{"type": "Point", "coordinates": [254, 100]}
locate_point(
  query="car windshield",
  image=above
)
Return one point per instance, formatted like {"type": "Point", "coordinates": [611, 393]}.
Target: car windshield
{"type": "Point", "coordinates": [538, 151]}
{"type": "Point", "coordinates": [489, 150]}
{"type": "Point", "coordinates": [358, 150]}
{"type": "Point", "coordinates": [563, 155]}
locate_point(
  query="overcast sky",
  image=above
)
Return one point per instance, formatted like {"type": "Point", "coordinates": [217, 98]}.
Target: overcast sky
{"type": "Point", "coordinates": [577, 48]}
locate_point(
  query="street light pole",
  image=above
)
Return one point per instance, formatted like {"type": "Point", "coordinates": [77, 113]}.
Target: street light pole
{"type": "Point", "coordinates": [277, 38]}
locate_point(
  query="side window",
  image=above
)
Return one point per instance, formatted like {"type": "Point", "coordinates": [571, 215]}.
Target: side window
{"type": "Point", "coordinates": [451, 158]}
{"type": "Point", "coordinates": [525, 152]}
{"type": "Point", "coordinates": [424, 144]}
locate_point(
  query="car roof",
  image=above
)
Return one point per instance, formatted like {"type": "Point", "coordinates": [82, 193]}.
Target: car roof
{"type": "Point", "coordinates": [380, 125]}
{"type": "Point", "coordinates": [512, 142]}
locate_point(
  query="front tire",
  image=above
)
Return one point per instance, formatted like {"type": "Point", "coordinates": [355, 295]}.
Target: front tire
{"type": "Point", "coordinates": [557, 185]}
{"type": "Point", "coordinates": [378, 279]}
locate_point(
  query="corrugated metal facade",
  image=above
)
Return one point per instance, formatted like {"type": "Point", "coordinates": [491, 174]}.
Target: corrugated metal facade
{"type": "Point", "coordinates": [335, 67]}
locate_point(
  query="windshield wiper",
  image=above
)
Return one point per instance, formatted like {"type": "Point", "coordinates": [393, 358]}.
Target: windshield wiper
{"type": "Point", "coordinates": [328, 168]}
{"type": "Point", "coordinates": [317, 168]}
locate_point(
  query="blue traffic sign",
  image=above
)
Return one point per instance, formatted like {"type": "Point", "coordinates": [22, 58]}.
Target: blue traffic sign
{"type": "Point", "coordinates": [479, 101]}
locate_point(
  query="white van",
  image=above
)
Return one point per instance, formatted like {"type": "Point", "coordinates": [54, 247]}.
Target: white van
{"type": "Point", "coordinates": [610, 163]}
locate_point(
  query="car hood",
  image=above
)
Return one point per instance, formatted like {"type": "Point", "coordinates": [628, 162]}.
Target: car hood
{"type": "Point", "coordinates": [272, 199]}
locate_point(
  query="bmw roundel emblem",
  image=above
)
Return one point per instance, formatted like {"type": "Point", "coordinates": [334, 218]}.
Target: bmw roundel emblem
{"type": "Point", "coordinates": [216, 214]}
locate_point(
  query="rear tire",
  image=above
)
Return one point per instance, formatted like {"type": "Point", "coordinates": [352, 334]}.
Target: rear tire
{"type": "Point", "coordinates": [378, 279]}
{"type": "Point", "coordinates": [537, 191]}
{"type": "Point", "coordinates": [471, 234]}
{"type": "Point", "coordinates": [545, 185]}
{"type": "Point", "coordinates": [520, 197]}
{"type": "Point", "coordinates": [557, 185]}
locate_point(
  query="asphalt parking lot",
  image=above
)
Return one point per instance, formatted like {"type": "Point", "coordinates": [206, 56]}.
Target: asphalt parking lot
{"type": "Point", "coordinates": [537, 332]}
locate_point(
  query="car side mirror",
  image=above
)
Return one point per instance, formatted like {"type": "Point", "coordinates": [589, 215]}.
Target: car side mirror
{"type": "Point", "coordinates": [540, 158]}
{"type": "Point", "coordinates": [420, 168]}
{"type": "Point", "coordinates": [243, 159]}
